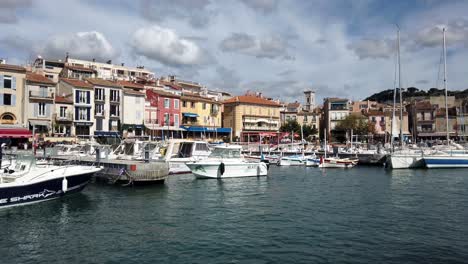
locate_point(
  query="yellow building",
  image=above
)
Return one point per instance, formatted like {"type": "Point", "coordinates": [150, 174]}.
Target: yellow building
{"type": "Point", "coordinates": [12, 80]}
{"type": "Point", "coordinates": [201, 116]}
{"type": "Point", "coordinates": [251, 117]}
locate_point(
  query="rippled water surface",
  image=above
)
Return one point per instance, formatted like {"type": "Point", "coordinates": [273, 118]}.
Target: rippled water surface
{"type": "Point", "coordinates": [296, 215]}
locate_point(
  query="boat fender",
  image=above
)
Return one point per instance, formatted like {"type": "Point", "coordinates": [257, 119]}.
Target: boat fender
{"type": "Point", "coordinates": [64, 185]}
{"type": "Point", "coordinates": [221, 168]}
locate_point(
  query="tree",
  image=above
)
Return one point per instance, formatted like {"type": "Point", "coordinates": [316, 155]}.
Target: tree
{"type": "Point", "coordinates": [291, 126]}
{"type": "Point", "coordinates": [309, 131]}
{"type": "Point", "coordinates": [358, 123]}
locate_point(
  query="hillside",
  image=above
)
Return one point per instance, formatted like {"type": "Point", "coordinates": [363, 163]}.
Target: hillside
{"type": "Point", "coordinates": [387, 95]}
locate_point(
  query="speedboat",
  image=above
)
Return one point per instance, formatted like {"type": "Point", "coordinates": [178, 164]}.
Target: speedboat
{"type": "Point", "coordinates": [24, 182]}
{"type": "Point", "coordinates": [227, 162]}
{"type": "Point", "coordinates": [181, 151]}
{"type": "Point", "coordinates": [296, 160]}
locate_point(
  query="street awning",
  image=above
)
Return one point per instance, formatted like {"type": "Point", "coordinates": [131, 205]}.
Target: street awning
{"type": "Point", "coordinates": [39, 123]}
{"type": "Point", "coordinates": [165, 128]}
{"type": "Point", "coordinates": [207, 129]}
{"type": "Point", "coordinates": [15, 133]}
{"type": "Point", "coordinates": [107, 133]}
{"type": "Point", "coordinates": [190, 115]}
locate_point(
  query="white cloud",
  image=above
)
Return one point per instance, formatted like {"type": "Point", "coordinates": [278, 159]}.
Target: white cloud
{"type": "Point", "coordinates": [165, 46]}
{"type": "Point", "coordinates": [372, 48]}
{"type": "Point", "coordinates": [86, 45]}
{"type": "Point", "coordinates": [431, 36]}
{"type": "Point", "coordinates": [271, 47]}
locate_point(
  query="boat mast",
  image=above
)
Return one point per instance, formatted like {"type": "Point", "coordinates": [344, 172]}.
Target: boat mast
{"type": "Point", "coordinates": [399, 85]}
{"type": "Point", "coordinates": [445, 88]}
{"type": "Point", "coordinates": [393, 110]}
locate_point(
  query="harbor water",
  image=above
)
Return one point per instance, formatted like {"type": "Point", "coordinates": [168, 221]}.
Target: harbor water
{"type": "Point", "coordinates": [295, 215]}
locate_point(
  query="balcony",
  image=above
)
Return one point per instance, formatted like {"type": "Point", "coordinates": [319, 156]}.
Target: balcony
{"type": "Point", "coordinates": [260, 128]}
{"type": "Point", "coordinates": [44, 95]}
{"type": "Point", "coordinates": [151, 121]}
{"type": "Point", "coordinates": [100, 114]}
{"type": "Point", "coordinates": [100, 98]}
{"type": "Point", "coordinates": [67, 117]}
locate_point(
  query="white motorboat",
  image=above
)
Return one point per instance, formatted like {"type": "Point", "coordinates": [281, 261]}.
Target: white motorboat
{"type": "Point", "coordinates": [312, 161]}
{"type": "Point", "coordinates": [405, 159]}
{"type": "Point", "coordinates": [181, 151]}
{"type": "Point", "coordinates": [334, 162]}
{"type": "Point", "coordinates": [24, 182]}
{"type": "Point", "coordinates": [296, 160]}
{"type": "Point", "coordinates": [227, 162]}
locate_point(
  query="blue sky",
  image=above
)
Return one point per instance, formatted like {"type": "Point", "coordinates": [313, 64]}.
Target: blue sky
{"type": "Point", "coordinates": [337, 48]}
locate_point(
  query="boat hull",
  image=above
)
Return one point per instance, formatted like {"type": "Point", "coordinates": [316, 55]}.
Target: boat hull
{"type": "Point", "coordinates": [312, 162]}
{"type": "Point", "coordinates": [337, 163]}
{"type": "Point", "coordinates": [434, 162]}
{"type": "Point", "coordinates": [290, 162]}
{"type": "Point", "coordinates": [405, 161]}
{"type": "Point", "coordinates": [213, 170]}
{"type": "Point", "coordinates": [42, 191]}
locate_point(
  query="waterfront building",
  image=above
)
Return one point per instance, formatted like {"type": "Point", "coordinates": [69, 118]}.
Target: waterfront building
{"type": "Point", "coordinates": [109, 71]}
{"type": "Point", "coordinates": [165, 121]}
{"type": "Point", "coordinates": [462, 118]}
{"type": "Point", "coordinates": [82, 95]}
{"type": "Point", "coordinates": [252, 117]}
{"type": "Point", "coordinates": [50, 69]}
{"type": "Point", "coordinates": [39, 103]}
{"type": "Point", "coordinates": [133, 107]}
{"type": "Point", "coordinates": [201, 116]}
{"type": "Point", "coordinates": [77, 72]}
{"type": "Point", "coordinates": [12, 79]}
{"type": "Point", "coordinates": [335, 110]}
{"type": "Point", "coordinates": [290, 111]}
{"type": "Point", "coordinates": [310, 118]}
{"type": "Point", "coordinates": [441, 123]}
{"type": "Point", "coordinates": [422, 119]}
{"type": "Point", "coordinates": [107, 102]}
{"type": "Point", "coordinates": [365, 106]}
{"type": "Point", "coordinates": [63, 116]}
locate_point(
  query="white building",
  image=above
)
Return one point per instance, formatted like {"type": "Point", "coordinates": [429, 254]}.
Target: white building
{"type": "Point", "coordinates": [111, 71]}
{"type": "Point", "coordinates": [63, 116]}
{"type": "Point", "coordinates": [107, 107]}
{"type": "Point", "coordinates": [39, 103]}
{"type": "Point", "coordinates": [82, 94]}
{"type": "Point", "coordinates": [134, 108]}
{"type": "Point", "coordinates": [50, 69]}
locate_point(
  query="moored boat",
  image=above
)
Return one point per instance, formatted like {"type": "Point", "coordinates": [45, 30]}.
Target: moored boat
{"type": "Point", "coordinates": [227, 162]}
{"type": "Point", "coordinates": [26, 183]}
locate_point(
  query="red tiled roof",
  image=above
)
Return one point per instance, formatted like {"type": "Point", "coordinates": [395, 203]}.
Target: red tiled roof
{"type": "Point", "coordinates": [293, 105]}
{"type": "Point", "coordinates": [63, 100]}
{"type": "Point", "coordinates": [10, 67]}
{"type": "Point", "coordinates": [79, 68]}
{"type": "Point", "coordinates": [102, 82]}
{"type": "Point", "coordinates": [37, 78]}
{"type": "Point", "coordinates": [77, 83]}
{"type": "Point", "coordinates": [132, 85]}
{"type": "Point", "coordinates": [251, 100]}
{"type": "Point", "coordinates": [162, 93]}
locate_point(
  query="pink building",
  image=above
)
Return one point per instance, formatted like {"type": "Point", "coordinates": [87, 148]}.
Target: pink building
{"type": "Point", "coordinates": [162, 113]}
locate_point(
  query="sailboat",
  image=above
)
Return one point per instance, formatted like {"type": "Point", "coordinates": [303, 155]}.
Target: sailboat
{"type": "Point", "coordinates": [333, 162]}
{"type": "Point", "coordinates": [449, 159]}
{"type": "Point", "coordinates": [402, 158]}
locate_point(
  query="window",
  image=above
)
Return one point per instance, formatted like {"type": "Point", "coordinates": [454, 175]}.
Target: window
{"type": "Point", "coordinates": [115, 110]}
{"type": "Point", "coordinates": [7, 99]}
{"type": "Point", "coordinates": [48, 76]}
{"type": "Point", "coordinates": [305, 118]}
{"type": "Point", "coordinates": [81, 97]}
{"type": "Point", "coordinates": [63, 111]}
{"type": "Point", "coordinates": [7, 82]}
{"type": "Point", "coordinates": [83, 114]}
{"type": "Point", "coordinates": [184, 103]}
{"type": "Point", "coordinates": [201, 147]}
{"type": "Point", "coordinates": [99, 109]}
{"type": "Point", "coordinates": [373, 119]}
{"type": "Point", "coordinates": [42, 109]}
{"type": "Point", "coordinates": [115, 95]}
{"type": "Point", "coordinates": [176, 120]}
{"type": "Point", "coordinates": [176, 103]}
{"type": "Point", "coordinates": [99, 94]}
{"type": "Point", "coordinates": [192, 104]}
{"type": "Point", "coordinates": [204, 106]}
{"type": "Point", "coordinates": [166, 102]}
{"type": "Point", "coordinates": [166, 119]}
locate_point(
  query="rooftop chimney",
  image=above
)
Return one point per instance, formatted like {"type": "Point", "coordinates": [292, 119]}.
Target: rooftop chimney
{"type": "Point", "coordinates": [109, 62]}
{"type": "Point", "coordinates": [94, 60]}
{"type": "Point", "coordinates": [122, 64]}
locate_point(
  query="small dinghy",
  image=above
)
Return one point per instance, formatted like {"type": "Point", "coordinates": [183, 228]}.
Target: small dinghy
{"type": "Point", "coordinates": [25, 182]}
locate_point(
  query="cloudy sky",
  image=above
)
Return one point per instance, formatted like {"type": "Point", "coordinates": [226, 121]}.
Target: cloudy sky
{"type": "Point", "coordinates": [336, 47]}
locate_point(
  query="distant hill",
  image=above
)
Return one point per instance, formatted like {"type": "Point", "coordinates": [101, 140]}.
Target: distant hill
{"type": "Point", "coordinates": [387, 95]}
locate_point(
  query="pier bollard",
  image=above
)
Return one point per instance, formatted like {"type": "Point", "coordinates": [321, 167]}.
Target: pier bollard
{"type": "Point", "coordinates": [147, 156]}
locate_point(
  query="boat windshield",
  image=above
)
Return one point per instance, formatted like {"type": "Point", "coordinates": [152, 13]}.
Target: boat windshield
{"type": "Point", "coordinates": [225, 153]}
{"type": "Point", "coordinates": [24, 162]}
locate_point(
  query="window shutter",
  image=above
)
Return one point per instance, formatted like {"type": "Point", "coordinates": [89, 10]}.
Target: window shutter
{"type": "Point", "coordinates": [13, 83]}
{"type": "Point", "coordinates": [13, 100]}
{"type": "Point", "coordinates": [1, 82]}
{"type": "Point", "coordinates": [1, 97]}
{"type": "Point", "coordinates": [36, 109]}
{"type": "Point", "coordinates": [47, 109]}
{"type": "Point", "coordinates": [89, 113]}
{"type": "Point", "coordinates": [76, 113]}
{"type": "Point", "coordinates": [77, 97]}
{"type": "Point", "coordinates": [88, 97]}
